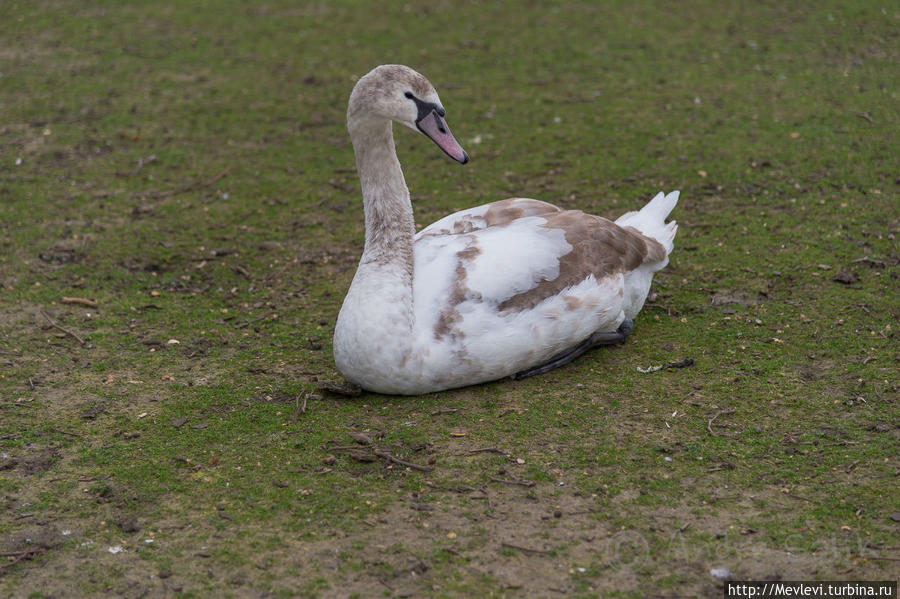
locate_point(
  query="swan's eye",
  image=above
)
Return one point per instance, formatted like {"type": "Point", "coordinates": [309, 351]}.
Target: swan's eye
{"type": "Point", "coordinates": [409, 95]}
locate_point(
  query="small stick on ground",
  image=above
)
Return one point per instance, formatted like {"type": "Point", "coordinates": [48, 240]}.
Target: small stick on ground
{"type": "Point", "coordinates": [21, 555]}
{"type": "Point", "coordinates": [61, 431]}
{"type": "Point", "coordinates": [444, 411]}
{"type": "Point", "coordinates": [716, 415]}
{"type": "Point", "coordinates": [300, 409]}
{"type": "Point", "coordinates": [63, 329]}
{"type": "Point", "coordinates": [458, 489]}
{"type": "Point", "coordinates": [520, 548]}
{"type": "Point", "coordinates": [385, 455]}
{"type": "Point", "coordinates": [871, 261]}
{"type": "Point", "coordinates": [241, 325]}
{"type": "Point", "coordinates": [241, 271]}
{"type": "Point", "coordinates": [851, 466]}
{"type": "Point", "coordinates": [792, 496]}
{"type": "Point", "coordinates": [25, 552]}
{"type": "Point", "coordinates": [81, 301]}
{"type": "Point", "coordinates": [140, 164]}
{"type": "Point", "coordinates": [521, 483]}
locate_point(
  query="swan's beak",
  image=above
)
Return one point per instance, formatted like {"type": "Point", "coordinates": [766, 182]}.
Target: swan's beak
{"type": "Point", "coordinates": [434, 126]}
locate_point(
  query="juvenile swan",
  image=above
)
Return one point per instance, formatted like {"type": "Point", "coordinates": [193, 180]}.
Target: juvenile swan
{"type": "Point", "coordinates": [512, 288]}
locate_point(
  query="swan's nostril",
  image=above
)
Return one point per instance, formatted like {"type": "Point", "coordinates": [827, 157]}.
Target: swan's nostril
{"type": "Point", "coordinates": [440, 124]}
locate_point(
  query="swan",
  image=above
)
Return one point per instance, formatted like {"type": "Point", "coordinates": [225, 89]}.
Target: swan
{"type": "Point", "coordinates": [512, 288]}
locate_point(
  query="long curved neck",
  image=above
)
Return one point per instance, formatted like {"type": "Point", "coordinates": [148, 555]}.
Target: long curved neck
{"type": "Point", "coordinates": [374, 333]}
{"type": "Point", "coordinates": [390, 226]}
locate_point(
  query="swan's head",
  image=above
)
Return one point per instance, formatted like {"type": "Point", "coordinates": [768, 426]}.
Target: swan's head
{"type": "Point", "coordinates": [400, 94]}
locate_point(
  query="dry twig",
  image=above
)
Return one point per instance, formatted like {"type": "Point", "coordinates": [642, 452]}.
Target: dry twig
{"type": "Point", "coordinates": [140, 164]}
{"type": "Point", "coordinates": [80, 301]}
{"type": "Point", "coordinates": [444, 411]}
{"type": "Point", "coordinates": [241, 325]}
{"type": "Point", "coordinates": [20, 556]}
{"type": "Point", "coordinates": [366, 454]}
{"type": "Point", "coordinates": [385, 455]}
{"type": "Point", "coordinates": [716, 415]}
{"type": "Point", "coordinates": [61, 431]}
{"type": "Point", "coordinates": [872, 261]}
{"type": "Point", "coordinates": [521, 483]}
{"type": "Point", "coordinates": [520, 548]}
{"type": "Point", "coordinates": [63, 329]}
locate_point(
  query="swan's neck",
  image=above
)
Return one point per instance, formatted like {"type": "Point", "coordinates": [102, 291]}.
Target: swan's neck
{"type": "Point", "coordinates": [389, 218]}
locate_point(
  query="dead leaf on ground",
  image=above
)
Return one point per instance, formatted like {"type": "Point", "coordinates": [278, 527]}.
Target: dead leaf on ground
{"type": "Point", "coordinates": [847, 277]}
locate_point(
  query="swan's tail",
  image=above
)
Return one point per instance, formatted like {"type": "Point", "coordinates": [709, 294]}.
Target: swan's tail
{"type": "Point", "coordinates": [651, 219]}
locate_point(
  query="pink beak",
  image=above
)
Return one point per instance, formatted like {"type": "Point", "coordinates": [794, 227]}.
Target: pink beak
{"type": "Point", "coordinates": [434, 126]}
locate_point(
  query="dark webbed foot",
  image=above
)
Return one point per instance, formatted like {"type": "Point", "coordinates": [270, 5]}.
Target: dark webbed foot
{"type": "Point", "coordinates": [615, 337]}
{"type": "Point", "coordinates": [561, 359]}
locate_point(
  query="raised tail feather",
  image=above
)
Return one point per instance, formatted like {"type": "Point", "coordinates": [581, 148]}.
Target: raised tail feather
{"type": "Point", "coordinates": [651, 219]}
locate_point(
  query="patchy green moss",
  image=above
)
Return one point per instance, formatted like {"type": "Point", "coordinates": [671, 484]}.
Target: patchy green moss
{"type": "Point", "coordinates": [188, 170]}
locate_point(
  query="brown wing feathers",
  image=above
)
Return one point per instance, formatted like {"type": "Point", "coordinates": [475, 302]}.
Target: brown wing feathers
{"type": "Point", "coordinates": [599, 247]}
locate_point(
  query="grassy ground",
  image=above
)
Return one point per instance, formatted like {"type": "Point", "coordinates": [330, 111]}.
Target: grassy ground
{"type": "Point", "coordinates": [185, 166]}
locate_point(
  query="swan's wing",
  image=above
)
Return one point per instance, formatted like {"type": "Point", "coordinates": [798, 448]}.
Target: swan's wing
{"type": "Point", "coordinates": [528, 265]}
{"type": "Point", "coordinates": [488, 215]}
